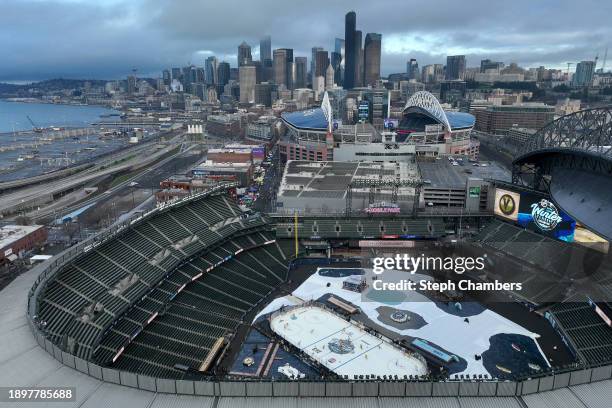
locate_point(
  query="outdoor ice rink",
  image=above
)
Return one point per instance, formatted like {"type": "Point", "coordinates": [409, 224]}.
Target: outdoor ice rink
{"type": "Point", "coordinates": [443, 329]}
{"type": "Point", "coordinates": [317, 332]}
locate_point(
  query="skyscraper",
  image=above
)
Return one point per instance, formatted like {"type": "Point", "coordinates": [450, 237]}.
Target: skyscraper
{"type": "Point", "coordinates": [244, 54]}
{"type": "Point", "coordinates": [177, 74]}
{"type": "Point", "coordinates": [350, 22]}
{"type": "Point", "coordinates": [167, 77]}
{"type": "Point", "coordinates": [339, 48]}
{"type": "Point", "coordinates": [200, 75]}
{"type": "Point", "coordinates": [223, 73]}
{"type": "Point", "coordinates": [584, 73]}
{"type": "Point", "coordinates": [313, 60]}
{"type": "Point", "coordinates": [336, 62]}
{"type": "Point", "coordinates": [339, 67]}
{"type": "Point", "coordinates": [247, 78]}
{"type": "Point", "coordinates": [321, 63]}
{"type": "Point", "coordinates": [211, 70]}
{"type": "Point", "coordinates": [455, 67]}
{"type": "Point", "coordinates": [265, 49]}
{"type": "Point", "coordinates": [329, 77]}
{"type": "Point", "coordinates": [371, 58]}
{"type": "Point", "coordinates": [189, 77]}
{"type": "Point", "coordinates": [301, 72]}
{"type": "Point", "coordinates": [412, 69]}
{"type": "Point", "coordinates": [283, 66]}
{"type": "Point", "coordinates": [358, 59]}
{"type": "Point", "coordinates": [131, 85]}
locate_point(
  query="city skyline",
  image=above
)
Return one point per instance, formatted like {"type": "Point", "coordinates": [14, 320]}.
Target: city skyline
{"type": "Point", "coordinates": [150, 35]}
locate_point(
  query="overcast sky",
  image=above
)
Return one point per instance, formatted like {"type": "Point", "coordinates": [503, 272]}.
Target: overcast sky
{"type": "Point", "coordinates": [106, 39]}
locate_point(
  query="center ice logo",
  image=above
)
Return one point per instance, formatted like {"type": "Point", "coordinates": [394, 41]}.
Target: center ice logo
{"type": "Point", "coordinates": [545, 215]}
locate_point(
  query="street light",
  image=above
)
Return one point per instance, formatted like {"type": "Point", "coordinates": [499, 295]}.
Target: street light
{"type": "Point", "coordinates": [132, 185]}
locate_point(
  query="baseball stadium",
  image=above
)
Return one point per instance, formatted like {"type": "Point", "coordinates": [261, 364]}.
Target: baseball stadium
{"type": "Point", "coordinates": [202, 301]}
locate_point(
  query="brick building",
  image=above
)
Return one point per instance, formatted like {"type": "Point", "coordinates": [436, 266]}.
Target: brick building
{"type": "Point", "coordinates": [17, 239]}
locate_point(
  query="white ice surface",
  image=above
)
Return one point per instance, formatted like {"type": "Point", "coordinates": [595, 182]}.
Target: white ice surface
{"type": "Point", "coordinates": [446, 330]}
{"type": "Point", "coordinates": [312, 329]}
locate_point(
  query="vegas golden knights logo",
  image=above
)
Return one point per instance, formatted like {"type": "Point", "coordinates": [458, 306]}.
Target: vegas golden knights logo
{"type": "Point", "coordinates": [506, 204]}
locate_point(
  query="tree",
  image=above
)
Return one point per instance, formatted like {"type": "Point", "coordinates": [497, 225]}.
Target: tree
{"type": "Point", "coordinates": [23, 220]}
{"type": "Point", "coordinates": [561, 88]}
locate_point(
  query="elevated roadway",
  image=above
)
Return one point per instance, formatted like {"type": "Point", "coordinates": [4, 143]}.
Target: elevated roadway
{"type": "Point", "coordinates": [29, 198]}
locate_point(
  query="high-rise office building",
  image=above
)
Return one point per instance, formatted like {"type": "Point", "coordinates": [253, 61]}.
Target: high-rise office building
{"type": "Point", "coordinates": [131, 85]}
{"type": "Point", "coordinates": [321, 63]}
{"type": "Point", "coordinates": [584, 73]}
{"type": "Point", "coordinates": [301, 72]}
{"type": "Point", "coordinates": [244, 54]}
{"type": "Point", "coordinates": [189, 77]}
{"type": "Point", "coordinates": [259, 73]}
{"type": "Point", "coordinates": [247, 77]}
{"type": "Point", "coordinates": [350, 50]}
{"type": "Point", "coordinates": [412, 69]}
{"type": "Point", "coordinates": [313, 59]}
{"type": "Point", "coordinates": [438, 72]}
{"type": "Point", "coordinates": [340, 50]}
{"type": "Point", "coordinates": [455, 67]}
{"type": "Point", "coordinates": [211, 70]}
{"type": "Point", "coordinates": [200, 75]}
{"type": "Point", "coordinates": [359, 65]}
{"type": "Point", "coordinates": [177, 74]}
{"type": "Point", "coordinates": [432, 73]}
{"type": "Point", "coordinates": [279, 63]}
{"type": "Point", "coordinates": [291, 74]}
{"type": "Point", "coordinates": [283, 67]}
{"type": "Point", "coordinates": [486, 65]}
{"type": "Point", "coordinates": [167, 77]}
{"type": "Point", "coordinates": [336, 62]}
{"type": "Point", "coordinates": [329, 77]}
{"type": "Point", "coordinates": [371, 58]}
{"type": "Point", "coordinates": [265, 49]}
{"type": "Point", "coordinates": [223, 73]}
{"type": "Point", "coordinates": [263, 93]}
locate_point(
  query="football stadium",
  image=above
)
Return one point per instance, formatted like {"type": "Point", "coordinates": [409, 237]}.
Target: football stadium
{"type": "Point", "coordinates": [201, 301]}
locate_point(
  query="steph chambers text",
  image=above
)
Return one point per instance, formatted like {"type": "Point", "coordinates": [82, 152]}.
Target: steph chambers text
{"type": "Point", "coordinates": [463, 285]}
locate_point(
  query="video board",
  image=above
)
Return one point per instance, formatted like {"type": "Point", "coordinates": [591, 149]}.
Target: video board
{"type": "Point", "coordinates": [538, 213]}
{"type": "Point", "coordinates": [507, 204]}
{"type": "Point", "coordinates": [534, 211]}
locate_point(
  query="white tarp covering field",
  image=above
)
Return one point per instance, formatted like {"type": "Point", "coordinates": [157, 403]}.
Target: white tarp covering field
{"type": "Point", "coordinates": [342, 346]}
{"type": "Point", "coordinates": [446, 330]}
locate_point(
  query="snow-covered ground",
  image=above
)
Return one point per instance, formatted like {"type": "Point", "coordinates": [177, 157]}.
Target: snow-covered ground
{"type": "Point", "coordinates": [314, 329]}
{"type": "Point", "coordinates": [446, 330]}
{"type": "Point", "coordinates": [276, 304]}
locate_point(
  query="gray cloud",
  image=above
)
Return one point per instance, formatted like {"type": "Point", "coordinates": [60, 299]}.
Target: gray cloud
{"type": "Point", "coordinates": [107, 38]}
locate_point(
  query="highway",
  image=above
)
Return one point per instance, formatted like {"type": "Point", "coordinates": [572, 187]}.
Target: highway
{"type": "Point", "coordinates": [102, 160]}
{"type": "Point", "coordinates": [139, 178]}
{"type": "Point", "coordinates": [38, 195]}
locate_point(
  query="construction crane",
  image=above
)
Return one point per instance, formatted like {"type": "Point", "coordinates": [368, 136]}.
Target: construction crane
{"type": "Point", "coordinates": [34, 127]}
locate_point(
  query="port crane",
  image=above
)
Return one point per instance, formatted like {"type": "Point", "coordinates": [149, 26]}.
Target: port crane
{"type": "Point", "coordinates": [34, 127]}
